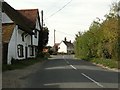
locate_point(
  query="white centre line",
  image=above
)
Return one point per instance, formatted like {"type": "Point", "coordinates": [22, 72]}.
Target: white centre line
{"type": "Point", "coordinates": [84, 74]}
{"type": "Point", "coordinates": [66, 60]}
{"type": "Point", "coordinates": [69, 63]}
{"type": "Point", "coordinates": [73, 67]}
{"type": "Point", "coordinates": [92, 80]}
{"type": "Point", "coordinates": [63, 56]}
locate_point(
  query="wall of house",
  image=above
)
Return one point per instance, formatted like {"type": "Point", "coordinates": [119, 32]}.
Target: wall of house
{"type": "Point", "coordinates": [70, 48]}
{"type": "Point", "coordinates": [20, 42]}
{"type": "Point", "coordinates": [26, 44]}
{"type": "Point", "coordinates": [12, 49]}
{"type": "Point", "coordinates": [16, 39]}
{"type": "Point", "coordinates": [62, 48]}
{"type": "Point", "coordinates": [35, 40]}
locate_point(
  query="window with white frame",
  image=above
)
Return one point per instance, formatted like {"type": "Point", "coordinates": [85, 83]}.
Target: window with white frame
{"type": "Point", "coordinates": [20, 50]}
{"type": "Point", "coordinates": [31, 50]}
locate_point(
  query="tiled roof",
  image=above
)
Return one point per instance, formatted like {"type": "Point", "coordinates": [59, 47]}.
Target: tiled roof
{"type": "Point", "coordinates": [23, 23]}
{"type": "Point", "coordinates": [56, 44]}
{"type": "Point", "coordinates": [69, 44]}
{"type": "Point", "coordinates": [30, 14]}
{"type": "Point", "coordinates": [7, 30]}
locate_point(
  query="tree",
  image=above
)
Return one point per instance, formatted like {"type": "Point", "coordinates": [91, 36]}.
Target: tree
{"type": "Point", "coordinates": [45, 36]}
{"type": "Point", "coordinates": [102, 40]}
{"type": "Point", "coordinates": [43, 39]}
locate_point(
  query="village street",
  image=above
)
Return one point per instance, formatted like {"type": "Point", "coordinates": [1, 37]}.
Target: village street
{"type": "Point", "coordinates": [61, 71]}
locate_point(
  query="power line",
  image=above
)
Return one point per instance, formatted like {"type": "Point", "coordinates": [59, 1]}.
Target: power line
{"type": "Point", "coordinates": [54, 8]}
{"type": "Point", "coordinates": [60, 9]}
{"type": "Point", "coordinates": [65, 33]}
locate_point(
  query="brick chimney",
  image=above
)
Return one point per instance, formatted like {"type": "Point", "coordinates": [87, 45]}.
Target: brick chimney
{"type": "Point", "coordinates": [65, 39]}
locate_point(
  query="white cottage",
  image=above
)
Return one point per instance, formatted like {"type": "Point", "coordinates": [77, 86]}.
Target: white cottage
{"type": "Point", "coordinates": [20, 33]}
{"type": "Point", "coordinates": [66, 47]}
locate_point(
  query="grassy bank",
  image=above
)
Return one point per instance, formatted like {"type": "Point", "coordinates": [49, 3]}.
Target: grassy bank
{"type": "Point", "coordinates": [20, 64]}
{"type": "Point", "coordinates": [106, 62]}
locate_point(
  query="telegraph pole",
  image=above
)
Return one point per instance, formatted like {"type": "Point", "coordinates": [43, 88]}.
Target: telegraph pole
{"type": "Point", "coordinates": [54, 36]}
{"type": "Point", "coordinates": [42, 18]}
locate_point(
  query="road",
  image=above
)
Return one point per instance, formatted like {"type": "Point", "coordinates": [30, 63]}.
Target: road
{"type": "Point", "coordinates": [63, 71]}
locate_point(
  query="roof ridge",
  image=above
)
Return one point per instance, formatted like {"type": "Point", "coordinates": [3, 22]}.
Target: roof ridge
{"type": "Point", "coordinates": [26, 9]}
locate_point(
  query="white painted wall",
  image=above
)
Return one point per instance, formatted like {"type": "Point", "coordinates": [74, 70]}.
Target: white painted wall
{"type": "Point", "coordinates": [16, 39]}
{"type": "Point", "coordinates": [12, 49]}
{"type": "Point", "coordinates": [70, 49]}
{"type": "Point", "coordinates": [27, 40]}
{"type": "Point", "coordinates": [63, 48]}
{"type": "Point", "coordinates": [35, 40]}
{"type": "Point", "coordinates": [19, 41]}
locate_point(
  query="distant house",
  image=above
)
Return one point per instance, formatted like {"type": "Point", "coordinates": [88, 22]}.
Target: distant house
{"type": "Point", "coordinates": [55, 48]}
{"type": "Point", "coordinates": [66, 47]}
{"type": "Point", "coordinates": [20, 30]}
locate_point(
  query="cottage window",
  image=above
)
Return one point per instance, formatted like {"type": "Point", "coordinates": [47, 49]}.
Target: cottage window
{"type": "Point", "coordinates": [22, 35]}
{"type": "Point", "coordinates": [31, 48]}
{"type": "Point", "coordinates": [35, 34]}
{"type": "Point", "coordinates": [20, 50]}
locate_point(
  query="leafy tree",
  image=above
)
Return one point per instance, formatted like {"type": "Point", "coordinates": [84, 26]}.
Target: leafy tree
{"type": "Point", "coordinates": [43, 39]}
{"type": "Point", "coordinates": [102, 40]}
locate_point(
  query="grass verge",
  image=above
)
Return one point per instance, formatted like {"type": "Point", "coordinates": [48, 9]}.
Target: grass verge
{"type": "Point", "coordinates": [20, 64]}
{"type": "Point", "coordinates": [106, 62]}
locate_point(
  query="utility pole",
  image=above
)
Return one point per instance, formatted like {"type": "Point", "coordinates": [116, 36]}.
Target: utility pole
{"type": "Point", "coordinates": [54, 36]}
{"type": "Point", "coordinates": [42, 18]}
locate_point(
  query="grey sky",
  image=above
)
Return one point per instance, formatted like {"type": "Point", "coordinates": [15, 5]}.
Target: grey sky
{"type": "Point", "coordinates": [76, 16]}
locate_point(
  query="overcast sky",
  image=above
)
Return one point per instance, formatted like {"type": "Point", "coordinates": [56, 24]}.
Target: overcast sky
{"type": "Point", "coordinates": [76, 16]}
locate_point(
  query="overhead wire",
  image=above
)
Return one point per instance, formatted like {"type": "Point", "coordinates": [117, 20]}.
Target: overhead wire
{"type": "Point", "coordinates": [55, 6]}
{"type": "Point", "coordinates": [60, 9]}
{"type": "Point", "coordinates": [65, 33]}
{"type": "Point", "coordinates": [56, 13]}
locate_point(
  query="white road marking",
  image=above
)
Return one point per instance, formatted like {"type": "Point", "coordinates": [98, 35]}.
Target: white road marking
{"type": "Point", "coordinates": [49, 84]}
{"type": "Point", "coordinates": [92, 80]}
{"type": "Point", "coordinates": [69, 63]}
{"type": "Point", "coordinates": [73, 67]}
{"type": "Point", "coordinates": [50, 68]}
{"type": "Point", "coordinates": [66, 61]}
{"type": "Point", "coordinates": [63, 57]}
